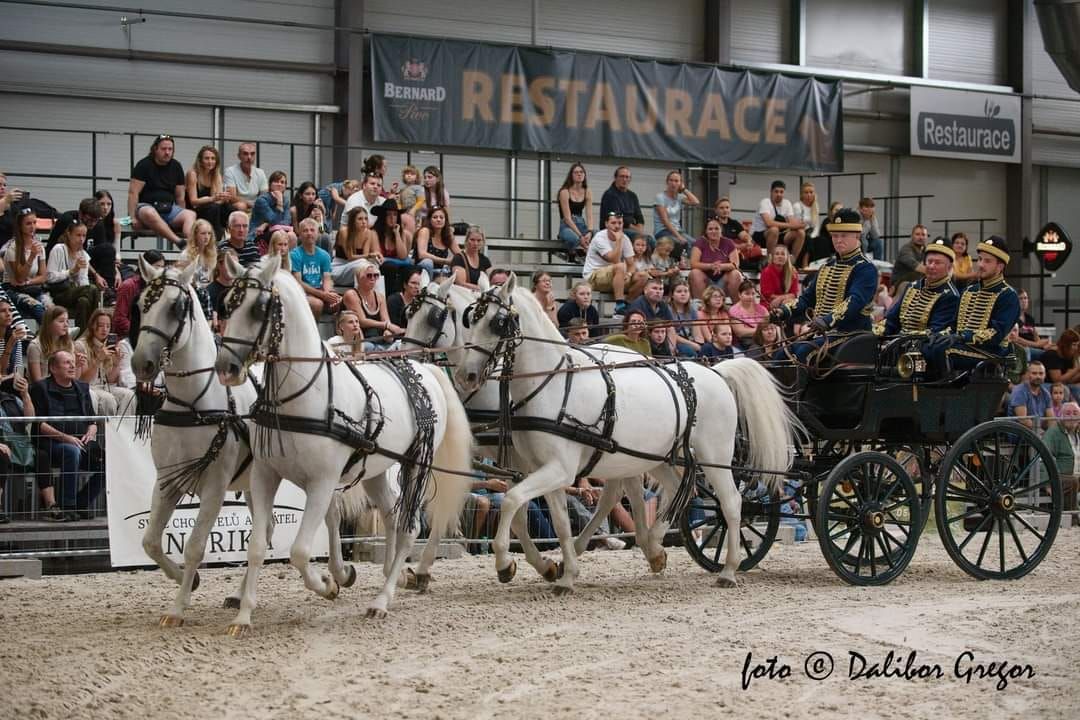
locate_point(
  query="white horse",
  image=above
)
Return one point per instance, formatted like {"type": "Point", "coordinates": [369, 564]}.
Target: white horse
{"type": "Point", "coordinates": [645, 406]}
{"type": "Point", "coordinates": [325, 422]}
{"type": "Point", "coordinates": [199, 441]}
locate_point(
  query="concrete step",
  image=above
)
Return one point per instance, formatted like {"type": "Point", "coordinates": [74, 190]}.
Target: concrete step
{"type": "Point", "coordinates": [21, 568]}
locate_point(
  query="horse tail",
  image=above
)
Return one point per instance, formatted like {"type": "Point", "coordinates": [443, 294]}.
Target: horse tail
{"type": "Point", "coordinates": [451, 484]}
{"type": "Point", "coordinates": [770, 426]}
{"type": "Point", "coordinates": [352, 503]}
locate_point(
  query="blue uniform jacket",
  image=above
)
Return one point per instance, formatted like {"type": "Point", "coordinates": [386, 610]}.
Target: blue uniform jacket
{"type": "Point", "coordinates": [924, 306]}
{"type": "Point", "coordinates": [842, 293]}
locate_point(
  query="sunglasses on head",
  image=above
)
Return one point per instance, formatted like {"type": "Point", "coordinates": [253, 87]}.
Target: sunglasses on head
{"type": "Point", "coordinates": [159, 138]}
{"type": "Point", "coordinates": [26, 211]}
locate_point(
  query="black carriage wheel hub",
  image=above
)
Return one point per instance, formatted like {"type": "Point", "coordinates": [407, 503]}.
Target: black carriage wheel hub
{"type": "Point", "coordinates": [1004, 502]}
{"type": "Point", "coordinates": [873, 517]}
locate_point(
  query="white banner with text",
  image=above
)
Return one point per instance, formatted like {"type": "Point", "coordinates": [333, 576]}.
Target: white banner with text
{"type": "Point", "coordinates": [965, 125]}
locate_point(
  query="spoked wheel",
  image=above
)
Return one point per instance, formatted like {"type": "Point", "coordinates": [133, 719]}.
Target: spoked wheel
{"type": "Point", "coordinates": [705, 532]}
{"type": "Point", "coordinates": [868, 518]}
{"type": "Point", "coordinates": [998, 501]}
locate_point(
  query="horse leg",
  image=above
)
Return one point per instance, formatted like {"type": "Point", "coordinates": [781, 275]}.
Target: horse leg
{"type": "Point", "coordinates": [654, 552]}
{"type": "Point", "coordinates": [548, 568]}
{"type": "Point", "coordinates": [635, 491]}
{"type": "Point", "coordinates": [319, 494]}
{"type": "Point", "coordinates": [547, 478]}
{"type": "Point", "coordinates": [211, 498]}
{"type": "Point", "coordinates": [384, 495]}
{"type": "Point", "coordinates": [723, 484]}
{"type": "Point", "coordinates": [560, 520]}
{"type": "Point", "coordinates": [344, 575]}
{"type": "Point", "coordinates": [233, 601]}
{"type": "Point", "coordinates": [403, 545]}
{"type": "Point", "coordinates": [162, 505]}
{"type": "Point", "coordinates": [609, 497]}
{"type": "Point", "coordinates": [264, 484]}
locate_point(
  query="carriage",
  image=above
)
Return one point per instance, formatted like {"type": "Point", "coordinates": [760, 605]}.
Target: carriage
{"type": "Point", "coordinates": [887, 448]}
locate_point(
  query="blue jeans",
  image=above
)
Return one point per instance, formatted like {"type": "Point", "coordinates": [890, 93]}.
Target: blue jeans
{"type": "Point", "coordinates": [568, 237]}
{"type": "Point", "coordinates": [26, 304]}
{"type": "Point", "coordinates": [875, 246]}
{"type": "Point", "coordinates": [429, 265]}
{"type": "Point", "coordinates": [71, 460]}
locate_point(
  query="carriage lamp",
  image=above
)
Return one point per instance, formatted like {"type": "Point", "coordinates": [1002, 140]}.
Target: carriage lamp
{"type": "Point", "coordinates": [911, 365]}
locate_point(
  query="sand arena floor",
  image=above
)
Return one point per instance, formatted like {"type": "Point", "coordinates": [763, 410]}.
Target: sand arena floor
{"type": "Point", "coordinates": [627, 644]}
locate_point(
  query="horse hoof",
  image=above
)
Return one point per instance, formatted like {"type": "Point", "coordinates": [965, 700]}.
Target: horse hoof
{"type": "Point", "coordinates": [508, 572]}
{"type": "Point", "coordinates": [237, 630]}
{"type": "Point", "coordinates": [231, 603]}
{"type": "Point", "coordinates": [422, 581]}
{"type": "Point", "coordinates": [410, 579]}
{"type": "Point", "coordinates": [553, 571]}
{"type": "Point", "coordinates": [351, 579]}
{"type": "Point", "coordinates": [332, 590]}
{"type": "Point", "coordinates": [658, 562]}
{"type": "Point", "coordinates": [195, 582]}
{"type": "Point", "coordinates": [375, 613]}
{"type": "Point", "coordinates": [170, 621]}
{"type": "Point", "coordinates": [561, 590]}
{"type": "Point", "coordinates": [726, 583]}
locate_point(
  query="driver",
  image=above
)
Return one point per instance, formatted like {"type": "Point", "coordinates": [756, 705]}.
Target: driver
{"type": "Point", "coordinates": [930, 303]}
{"type": "Point", "coordinates": [987, 312]}
{"type": "Point", "coordinates": [840, 299]}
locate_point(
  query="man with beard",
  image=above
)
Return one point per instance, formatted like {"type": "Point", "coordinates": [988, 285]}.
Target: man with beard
{"type": "Point", "coordinates": [1030, 398]}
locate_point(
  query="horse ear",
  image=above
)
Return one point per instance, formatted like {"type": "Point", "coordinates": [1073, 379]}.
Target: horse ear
{"type": "Point", "coordinates": [187, 273]}
{"type": "Point", "coordinates": [442, 290]}
{"type": "Point", "coordinates": [271, 264]}
{"type": "Point", "coordinates": [235, 268]}
{"type": "Point", "coordinates": [148, 271]}
{"type": "Point", "coordinates": [509, 286]}
{"type": "Point", "coordinates": [484, 282]}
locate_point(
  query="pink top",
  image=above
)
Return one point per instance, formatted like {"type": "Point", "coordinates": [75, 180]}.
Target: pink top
{"type": "Point", "coordinates": [751, 317]}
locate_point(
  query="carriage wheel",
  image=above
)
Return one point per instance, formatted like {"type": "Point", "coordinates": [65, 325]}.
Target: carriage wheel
{"type": "Point", "coordinates": [998, 501]}
{"type": "Point", "coordinates": [868, 517]}
{"type": "Point", "coordinates": [705, 532]}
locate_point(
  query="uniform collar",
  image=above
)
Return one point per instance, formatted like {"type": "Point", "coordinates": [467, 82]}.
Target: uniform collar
{"type": "Point", "coordinates": [935, 285]}
{"type": "Point", "coordinates": [992, 282]}
{"type": "Point", "coordinates": [856, 252]}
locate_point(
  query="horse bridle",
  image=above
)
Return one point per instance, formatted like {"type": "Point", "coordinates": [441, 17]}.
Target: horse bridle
{"type": "Point", "coordinates": [181, 308]}
{"type": "Point", "coordinates": [436, 318]}
{"type": "Point", "coordinates": [267, 311]}
{"type": "Point", "coordinates": [505, 324]}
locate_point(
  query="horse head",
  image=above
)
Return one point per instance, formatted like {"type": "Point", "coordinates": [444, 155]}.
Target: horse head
{"type": "Point", "coordinates": [167, 313]}
{"type": "Point", "coordinates": [492, 327]}
{"type": "Point", "coordinates": [252, 310]}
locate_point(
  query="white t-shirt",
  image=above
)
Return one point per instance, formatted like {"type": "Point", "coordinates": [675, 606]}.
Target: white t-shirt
{"type": "Point", "coordinates": [9, 259]}
{"type": "Point", "coordinates": [246, 188]}
{"type": "Point", "coordinates": [60, 264]}
{"type": "Point", "coordinates": [806, 214]}
{"type": "Point", "coordinates": [765, 207]}
{"type": "Point", "coordinates": [602, 245]}
{"type": "Point", "coordinates": [357, 199]}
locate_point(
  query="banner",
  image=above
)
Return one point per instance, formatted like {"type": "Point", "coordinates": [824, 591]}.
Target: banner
{"type": "Point", "coordinates": [444, 92]}
{"type": "Point", "coordinates": [130, 476]}
{"type": "Point", "coordinates": [965, 125]}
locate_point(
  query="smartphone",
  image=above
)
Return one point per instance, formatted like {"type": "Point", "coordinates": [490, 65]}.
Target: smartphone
{"type": "Point", "coordinates": [20, 371]}
{"type": "Point", "coordinates": [111, 340]}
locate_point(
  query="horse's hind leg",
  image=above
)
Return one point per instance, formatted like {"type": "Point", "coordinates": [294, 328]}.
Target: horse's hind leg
{"type": "Point", "coordinates": [402, 546]}
{"type": "Point", "coordinates": [560, 520]}
{"type": "Point", "coordinates": [264, 484]}
{"type": "Point", "coordinates": [548, 568]}
{"type": "Point", "coordinates": [669, 480]}
{"type": "Point", "coordinates": [344, 575]}
{"type": "Point", "coordinates": [383, 494]}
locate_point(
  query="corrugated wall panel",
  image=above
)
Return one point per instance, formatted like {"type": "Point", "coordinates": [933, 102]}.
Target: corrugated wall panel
{"type": "Point", "coordinates": [274, 132]}
{"type": "Point", "coordinates": [759, 31]}
{"type": "Point", "coordinates": [509, 21]}
{"type": "Point", "coordinates": [1055, 150]}
{"type": "Point", "coordinates": [626, 27]}
{"type": "Point", "coordinates": [968, 41]}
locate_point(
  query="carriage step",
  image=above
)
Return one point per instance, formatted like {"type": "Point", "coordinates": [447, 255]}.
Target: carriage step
{"type": "Point", "coordinates": [376, 551]}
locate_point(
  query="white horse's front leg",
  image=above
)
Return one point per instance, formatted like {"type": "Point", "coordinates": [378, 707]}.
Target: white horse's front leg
{"type": "Point", "coordinates": [560, 520]}
{"type": "Point", "coordinates": [211, 497]}
{"type": "Point", "coordinates": [548, 568]}
{"type": "Point", "coordinates": [320, 491]}
{"type": "Point", "coordinates": [264, 485]}
{"type": "Point", "coordinates": [550, 477]}
{"type": "Point", "coordinates": [162, 506]}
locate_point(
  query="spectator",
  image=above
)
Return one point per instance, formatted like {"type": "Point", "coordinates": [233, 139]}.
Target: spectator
{"type": "Point", "coordinates": [279, 245]}
{"type": "Point", "coordinates": [220, 284]}
{"type": "Point", "coordinates": [714, 261]}
{"type": "Point", "coordinates": [410, 198]}
{"type": "Point", "coordinates": [641, 264]}
{"type": "Point", "coordinates": [8, 198]}
{"type": "Point", "coordinates": [15, 448]}
{"type": "Point", "coordinates": [355, 241]}
{"type": "Point", "coordinates": [53, 336]}
{"type": "Point", "coordinates": [239, 241]}
{"type": "Point", "coordinates": [579, 305]}
{"type": "Point", "coordinates": [1061, 362]}
{"type": "Point", "coordinates": [369, 197]}
{"type": "Point", "coordinates": [70, 275]}
{"type": "Point", "coordinates": [370, 307]}
{"type": "Point", "coordinates": [271, 212]}
{"type": "Point", "coordinates": [471, 263]}
{"type": "Point", "coordinates": [206, 189]}
{"type": "Point", "coordinates": [156, 193]}
{"type": "Point", "coordinates": [13, 342]}
{"type": "Point", "coordinates": [104, 364]}
{"type": "Point", "coordinates": [498, 276]}
{"type": "Point", "coordinates": [126, 312]}
{"type": "Point", "coordinates": [633, 335]}
{"type": "Point", "coordinates": [1029, 334]}
{"type": "Point", "coordinates": [667, 213]}
{"type": "Point", "coordinates": [394, 245]}
{"type": "Point", "coordinates": [806, 209]}
{"type": "Point", "coordinates": [663, 264]}
{"type": "Point", "coordinates": [326, 237]}
{"type": "Point", "coordinates": [1059, 395]}
{"type": "Point", "coordinates": [435, 243]}
{"type": "Point", "coordinates": [658, 342]}
{"type": "Point", "coordinates": [581, 499]}
{"type": "Point", "coordinates": [651, 304]}
{"type": "Point", "coordinates": [689, 339]}
{"type": "Point", "coordinates": [963, 268]}
{"type": "Point", "coordinates": [822, 247]}
{"type": "Point", "coordinates": [1063, 441]}
{"type": "Point", "coordinates": [606, 267]}
{"type": "Point", "coordinates": [24, 268]}
{"type": "Point", "coordinates": [110, 225]}
{"type": "Point", "coordinates": [304, 199]}
{"type": "Point", "coordinates": [70, 445]}
{"type": "Point", "coordinates": [909, 261]}
{"type": "Point", "coordinates": [779, 281]}
{"type": "Point", "coordinates": [712, 313]}
{"type": "Point", "coordinates": [334, 197]}
{"type": "Point", "coordinates": [435, 194]}
{"type": "Point", "coordinates": [102, 250]}
{"type": "Point", "coordinates": [311, 268]}
{"type": "Point", "coordinates": [398, 303]}
{"type": "Point", "coordinates": [244, 182]}
{"type": "Point", "coordinates": [348, 343]}
{"type": "Point", "coordinates": [768, 339]}
{"type": "Point", "coordinates": [734, 231]}
{"type": "Point", "coordinates": [202, 250]}
{"type": "Point", "coordinates": [1015, 363]}
{"type": "Point", "coordinates": [541, 289]}
{"type": "Point", "coordinates": [723, 342]}
{"type": "Point", "coordinates": [870, 240]}
{"type": "Point", "coordinates": [747, 313]}
{"type": "Point", "coordinates": [1031, 399]}
{"type": "Point", "coordinates": [89, 213]}
{"type": "Point", "coordinates": [376, 165]}
{"type": "Point", "coordinates": [575, 212]}
{"type": "Point", "coordinates": [577, 332]}
{"type": "Point", "coordinates": [775, 222]}
{"type": "Point", "coordinates": [621, 200]}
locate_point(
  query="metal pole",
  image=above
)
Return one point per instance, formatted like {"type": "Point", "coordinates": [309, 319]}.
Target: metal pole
{"type": "Point", "coordinates": [93, 162]}
{"type": "Point", "coordinates": [316, 150]}
{"type": "Point", "coordinates": [543, 193]}
{"type": "Point", "coordinates": [511, 170]}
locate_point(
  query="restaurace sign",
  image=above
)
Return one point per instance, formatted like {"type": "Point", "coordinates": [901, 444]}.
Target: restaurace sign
{"type": "Point", "coordinates": [965, 125]}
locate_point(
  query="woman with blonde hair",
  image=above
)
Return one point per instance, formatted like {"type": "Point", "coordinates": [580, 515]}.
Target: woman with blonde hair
{"type": "Point", "coordinates": [53, 336]}
{"type": "Point", "coordinates": [541, 289]}
{"type": "Point", "coordinates": [279, 244]}
{"type": "Point", "coordinates": [24, 270]}
{"type": "Point", "coordinates": [104, 368]}
{"type": "Point", "coordinates": [807, 210]}
{"type": "Point", "coordinates": [205, 189]}
{"type": "Point", "coordinates": [353, 243]}
{"type": "Point", "coordinates": [202, 250]}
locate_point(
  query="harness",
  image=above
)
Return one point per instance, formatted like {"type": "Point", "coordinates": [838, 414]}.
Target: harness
{"type": "Point", "coordinates": [184, 477]}
{"type": "Point", "coordinates": [361, 434]}
{"type": "Point", "coordinates": [598, 434]}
